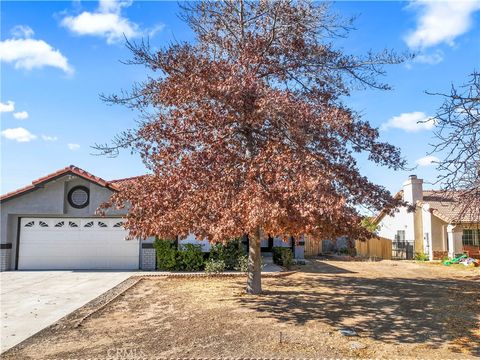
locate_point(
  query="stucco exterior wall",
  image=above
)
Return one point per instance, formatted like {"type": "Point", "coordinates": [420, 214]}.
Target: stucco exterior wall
{"type": "Point", "coordinates": [50, 200]}
{"type": "Point", "coordinates": [427, 231]}
{"type": "Point", "coordinates": [439, 234]}
{"type": "Point", "coordinates": [418, 245]}
{"type": "Point", "coordinates": [401, 220]}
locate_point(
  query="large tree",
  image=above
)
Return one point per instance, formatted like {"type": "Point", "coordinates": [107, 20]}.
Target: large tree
{"type": "Point", "coordinates": [457, 131]}
{"type": "Point", "coordinates": [244, 130]}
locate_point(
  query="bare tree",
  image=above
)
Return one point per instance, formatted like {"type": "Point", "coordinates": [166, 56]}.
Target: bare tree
{"type": "Point", "coordinates": [457, 132]}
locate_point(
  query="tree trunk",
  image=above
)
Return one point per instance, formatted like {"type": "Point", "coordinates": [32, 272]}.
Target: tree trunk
{"type": "Point", "coordinates": [254, 281]}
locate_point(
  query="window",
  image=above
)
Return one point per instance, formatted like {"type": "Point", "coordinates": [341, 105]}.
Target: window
{"type": "Point", "coordinates": [102, 224]}
{"type": "Point", "coordinates": [118, 224]}
{"type": "Point", "coordinates": [89, 224]}
{"type": "Point", "coordinates": [72, 224]}
{"type": "Point", "coordinates": [78, 197]}
{"type": "Point", "coordinates": [42, 224]}
{"type": "Point", "coordinates": [471, 237]}
{"type": "Point", "coordinates": [60, 224]}
{"type": "Point", "coordinates": [30, 224]}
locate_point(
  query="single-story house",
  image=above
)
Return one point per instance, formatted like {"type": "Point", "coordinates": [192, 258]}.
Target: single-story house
{"type": "Point", "coordinates": [435, 227]}
{"type": "Point", "coordinates": [52, 224]}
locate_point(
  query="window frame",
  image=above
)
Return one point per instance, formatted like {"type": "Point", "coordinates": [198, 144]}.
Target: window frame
{"type": "Point", "coordinates": [70, 193]}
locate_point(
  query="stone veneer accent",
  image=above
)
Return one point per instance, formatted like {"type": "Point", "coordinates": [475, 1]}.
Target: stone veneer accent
{"type": "Point", "coordinates": [439, 255]}
{"type": "Point", "coordinates": [5, 253]}
{"type": "Point", "coordinates": [148, 257]}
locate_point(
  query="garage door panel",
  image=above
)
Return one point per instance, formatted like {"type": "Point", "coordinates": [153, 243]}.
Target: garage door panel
{"type": "Point", "coordinates": [75, 243]}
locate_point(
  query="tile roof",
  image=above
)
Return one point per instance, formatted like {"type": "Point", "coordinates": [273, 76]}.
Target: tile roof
{"type": "Point", "coordinates": [442, 205]}
{"type": "Point", "coordinates": [445, 206]}
{"type": "Point", "coordinates": [62, 172]}
{"type": "Point", "coordinates": [125, 181]}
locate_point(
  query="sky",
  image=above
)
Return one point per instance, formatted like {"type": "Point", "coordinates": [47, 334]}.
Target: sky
{"type": "Point", "coordinates": [56, 58]}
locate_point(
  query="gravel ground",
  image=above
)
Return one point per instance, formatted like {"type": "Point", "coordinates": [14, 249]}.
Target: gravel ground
{"type": "Point", "coordinates": [397, 310]}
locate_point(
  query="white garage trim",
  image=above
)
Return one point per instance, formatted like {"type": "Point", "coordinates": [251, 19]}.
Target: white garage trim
{"type": "Point", "coordinates": [75, 243]}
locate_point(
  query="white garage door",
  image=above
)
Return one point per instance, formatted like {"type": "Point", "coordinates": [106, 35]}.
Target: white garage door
{"type": "Point", "coordinates": [75, 243]}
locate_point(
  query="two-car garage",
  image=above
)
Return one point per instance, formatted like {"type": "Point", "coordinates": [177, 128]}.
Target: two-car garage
{"type": "Point", "coordinates": [54, 224]}
{"type": "Point", "coordinates": [75, 243]}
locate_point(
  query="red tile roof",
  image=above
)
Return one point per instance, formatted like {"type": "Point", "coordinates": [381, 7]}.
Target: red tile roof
{"type": "Point", "coordinates": [446, 206]}
{"type": "Point", "coordinates": [125, 181]}
{"type": "Point", "coordinates": [65, 171]}
{"type": "Point", "coordinates": [442, 205]}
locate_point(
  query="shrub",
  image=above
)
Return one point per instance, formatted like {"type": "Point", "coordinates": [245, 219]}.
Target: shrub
{"type": "Point", "coordinates": [287, 258]}
{"type": "Point", "coordinates": [420, 256]}
{"type": "Point", "coordinates": [214, 266]}
{"type": "Point", "coordinates": [229, 253]}
{"type": "Point", "coordinates": [166, 254]}
{"type": "Point", "coordinates": [277, 255]}
{"type": "Point", "coordinates": [190, 257]}
{"type": "Point", "coordinates": [282, 256]}
{"type": "Point", "coordinates": [242, 263]}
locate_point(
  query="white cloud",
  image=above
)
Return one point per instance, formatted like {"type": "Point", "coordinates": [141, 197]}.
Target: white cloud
{"type": "Point", "coordinates": [18, 134]}
{"type": "Point", "coordinates": [151, 32]}
{"type": "Point", "coordinates": [440, 21]}
{"type": "Point", "coordinates": [431, 59]}
{"type": "Point", "coordinates": [73, 147]}
{"type": "Point", "coordinates": [49, 138]}
{"type": "Point", "coordinates": [9, 106]}
{"type": "Point", "coordinates": [411, 122]}
{"type": "Point", "coordinates": [21, 115]}
{"type": "Point", "coordinates": [22, 32]}
{"type": "Point", "coordinates": [107, 22]}
{"type": "Point", "coordinates": [427, 160]}
{"type": "Point", "coordinates": [31, 54]}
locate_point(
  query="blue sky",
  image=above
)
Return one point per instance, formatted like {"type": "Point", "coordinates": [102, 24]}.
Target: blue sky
{"type": "Point", "coordinates": [57, 57]}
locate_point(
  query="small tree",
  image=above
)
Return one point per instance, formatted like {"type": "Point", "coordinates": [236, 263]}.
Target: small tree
{"type": "Point", "coordinates": [244, 131]}
{"type": "Point", "coordinates": [457, 130]}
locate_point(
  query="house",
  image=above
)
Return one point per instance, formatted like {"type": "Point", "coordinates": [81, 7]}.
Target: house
{"type": "Point", "coordinates": [52, 224]}
{"type": "Point", "coordinates": [434, 228]}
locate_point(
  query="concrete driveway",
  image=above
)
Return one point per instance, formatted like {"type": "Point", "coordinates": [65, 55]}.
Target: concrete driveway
{"type": "Point", "coordinates": [33, 300]}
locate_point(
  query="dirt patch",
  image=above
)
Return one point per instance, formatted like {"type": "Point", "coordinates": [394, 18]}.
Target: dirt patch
{"type": "Point", "coordinates": [398, 309]}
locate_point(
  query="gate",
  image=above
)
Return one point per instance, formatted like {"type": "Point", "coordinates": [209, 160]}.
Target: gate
{"type": "Point", "coordinates": [402, 249]}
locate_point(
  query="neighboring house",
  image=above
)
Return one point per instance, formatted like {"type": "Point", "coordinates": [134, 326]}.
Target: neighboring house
{"type": "Point", "coordinates": [52, 224]}
{"type": "Point", "coordinates": [435, 227]}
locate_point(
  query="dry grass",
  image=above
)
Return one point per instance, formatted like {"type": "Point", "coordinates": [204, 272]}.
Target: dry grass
{"type": "Point", "coordinates": [399, 309]}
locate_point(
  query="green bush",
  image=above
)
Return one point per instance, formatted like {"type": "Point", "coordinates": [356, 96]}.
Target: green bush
{"type": "Point", "coordinates": [287, 258]}
{"type": "Point", "coordinates": [420, 256]}
{"type": "Point", "coordinates": [166, 254]}
{"type": "Point", "coordinates": [214, 266]}
{"type": "Point", "coordinates": [190, 257]}
{"type": "Point", "coordinates": [229, 253]}
{"type": "Point", "coordinates": [282, 256]}
{"type": "Point", "coordinates": [242, 263]}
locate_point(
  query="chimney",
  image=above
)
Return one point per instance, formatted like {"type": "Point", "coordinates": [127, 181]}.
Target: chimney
{"type": "Point", "coordinates": [413, 189]}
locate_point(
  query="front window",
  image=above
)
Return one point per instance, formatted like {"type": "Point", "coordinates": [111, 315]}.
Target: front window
{"type": "Point", "coordinates": [471, 237]}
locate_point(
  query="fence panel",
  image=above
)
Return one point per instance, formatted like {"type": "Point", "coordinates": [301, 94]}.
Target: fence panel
{"type": "Point", "coordinates": [374, 247]}
{"type": "Point", "coordinates": [312, 247]}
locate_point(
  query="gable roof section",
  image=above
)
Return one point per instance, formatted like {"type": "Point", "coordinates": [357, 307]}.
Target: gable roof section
{"type": "Point", "coordinates": [384, 212]}
{"type": "Point", "coordinates": [69, 170]}
{"type": "Point", "coordinates": [119, 183]}
{"type": "Point", "coordinates": [445, 206]}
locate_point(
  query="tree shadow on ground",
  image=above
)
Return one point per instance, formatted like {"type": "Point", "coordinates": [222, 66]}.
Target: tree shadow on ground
{"type": "Point", "coordinates": [392, 310]}
{"type": "Point", "coordinates": [322, 267]}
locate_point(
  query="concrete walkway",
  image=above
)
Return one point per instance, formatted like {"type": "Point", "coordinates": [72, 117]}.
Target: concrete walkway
{"type": "Point", "coordinates": [33, 300]}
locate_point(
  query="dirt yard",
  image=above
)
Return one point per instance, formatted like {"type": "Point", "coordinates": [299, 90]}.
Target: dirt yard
{"type": "Point", "coordinates": [398, 309]}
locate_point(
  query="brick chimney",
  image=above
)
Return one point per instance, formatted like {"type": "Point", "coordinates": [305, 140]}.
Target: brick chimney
{"type": "Point", "coordinates": [413, 189]}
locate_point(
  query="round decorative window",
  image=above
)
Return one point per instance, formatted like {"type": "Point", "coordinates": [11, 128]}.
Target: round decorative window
{"type": "Point", "coordinates": [78, 197]}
